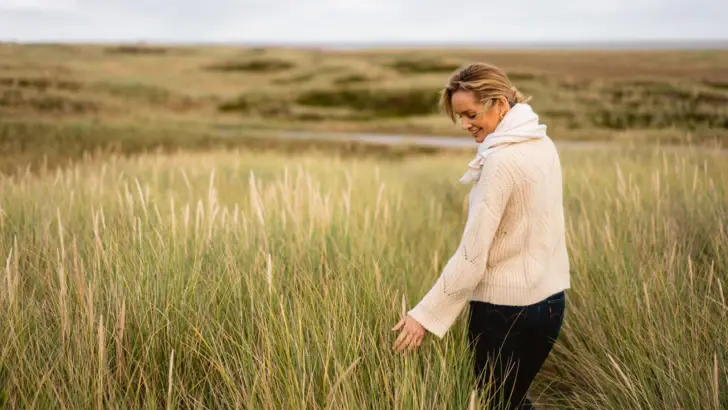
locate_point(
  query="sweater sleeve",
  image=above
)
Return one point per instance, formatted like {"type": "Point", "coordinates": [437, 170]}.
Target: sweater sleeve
{"type": "Point", "coordinates": [439, 308]}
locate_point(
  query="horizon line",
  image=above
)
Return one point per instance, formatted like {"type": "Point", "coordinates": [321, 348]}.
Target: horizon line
{"type": "Point", "coordinates": [636, 44]}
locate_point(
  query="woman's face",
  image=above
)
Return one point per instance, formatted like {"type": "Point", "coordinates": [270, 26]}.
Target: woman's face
{"type": "Point", "coordinates": [472, 116]}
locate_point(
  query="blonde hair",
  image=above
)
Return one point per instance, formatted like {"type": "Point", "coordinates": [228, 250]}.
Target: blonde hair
{"type": "Point", "coordinates": [486, 82]}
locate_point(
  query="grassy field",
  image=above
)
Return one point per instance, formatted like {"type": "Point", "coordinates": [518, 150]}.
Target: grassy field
{"type": "Point", "coordinates": [667, 95]}
{"type": "Point", "coordinates": [163, 249]}
{"type": "Point", "coordinates": [243, 279]}
{"type": "Point", "coordinates": [30, 146]}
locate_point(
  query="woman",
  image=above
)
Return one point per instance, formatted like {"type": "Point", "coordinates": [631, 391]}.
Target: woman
{"type": "Point", "coordinates": [511, 265]}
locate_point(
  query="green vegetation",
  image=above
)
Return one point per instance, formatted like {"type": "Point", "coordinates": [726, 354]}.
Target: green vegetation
{"type": "Point", "coordinates": [257, 65]}
{"type": "Point", "coordinates": [163, 249]}
{"type": "Point", "coordinates": [39, 83]}
{"type": "Point", "coordinates": [39, 104]}
{"type": "Point", "coordinates": [136, 49]}
{"type": "Point", "coordinates": [579, 94]}
{"type": "Point", "coordinates": [659, 105]}
{"type": "Point", "coordinates": [253, 280]}
{"type": "Point", "coordinates": [717, 84]}
{"type": "Point", "coordinates": [352, 79]}
{"type": "Point", "coordinates": [382, 102]}
{"type": "Point", "coordinates": [296, 79]}
{"type": "Point", "coordinates": [35, 146]}
{"type": "Point", "coordinates": [419, 66]}
{"type": "Point", "coordinates": [139, 92]}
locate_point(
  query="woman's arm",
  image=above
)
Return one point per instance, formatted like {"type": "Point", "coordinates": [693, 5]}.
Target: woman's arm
{"type": "Point", "coordinates": [441, 305]}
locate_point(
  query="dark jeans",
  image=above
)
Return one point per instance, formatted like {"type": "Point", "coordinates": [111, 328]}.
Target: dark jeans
{"type": "Point", "coordinates": [510, 345]}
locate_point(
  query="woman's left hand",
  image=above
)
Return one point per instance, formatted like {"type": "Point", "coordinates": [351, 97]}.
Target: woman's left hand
{"type": "Point", "coordinates": [411, 336]}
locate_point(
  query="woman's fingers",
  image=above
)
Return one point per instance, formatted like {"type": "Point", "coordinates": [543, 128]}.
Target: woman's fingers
{"type": "Point", "coordinates": [418, 342]}
{"type": "Point", "coordinates": [398, 325]}
{"type": "Point", "coordinates": [402, 341]}
{"type": "Point", "coordinates": [406, 342]}
{"type": "Point", "coordinates": [415, 343]}
{"type": "Point", "coordinates": [410, 338]}
{"type": "Point", "coordinates": [400, 338]}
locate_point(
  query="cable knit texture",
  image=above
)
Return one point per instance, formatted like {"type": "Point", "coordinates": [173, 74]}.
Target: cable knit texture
{"type": "Point", "coordinates": [519, 125]}
{"type": "Point", "coordinates": [513, 248]}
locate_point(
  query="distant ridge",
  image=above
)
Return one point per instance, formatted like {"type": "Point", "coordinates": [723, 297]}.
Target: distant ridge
{"type": "Point", "coordinates": [595, 45]}
{"type": "Point", "coordinates": [636, 45]}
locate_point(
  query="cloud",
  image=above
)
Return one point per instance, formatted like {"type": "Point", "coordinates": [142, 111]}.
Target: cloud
{"type": "Point", "coordinates": [361, 20]}
{"type": "Point", "coordinates": [39, 5]}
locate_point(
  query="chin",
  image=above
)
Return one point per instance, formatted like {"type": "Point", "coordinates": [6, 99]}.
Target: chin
{"type": "Point", "coordinates": [480, 136]}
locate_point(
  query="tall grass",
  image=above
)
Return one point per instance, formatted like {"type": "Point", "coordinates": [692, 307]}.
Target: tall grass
{"type": "Point", "coordinates": [253, 280]}
{"type": "Point", "coordinates": [33, 145]}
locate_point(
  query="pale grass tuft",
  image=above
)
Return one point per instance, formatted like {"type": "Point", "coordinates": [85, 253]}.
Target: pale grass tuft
{"type": "Point", "coordinates": [647, 297]}
{"type": "Point", "coordinates": [102, 364]}
{"type": "Point", "coordinates": [62, 295]}
{"type": "Point", "coordinates": [78, 275]}
{"type": "Point", "coordinates": [379, 202]}
{"type": "Point", "coordinates": [622, 374]}
{"type": "Point", "coordinates": [187, 181]}
{"type": "Point", "coordinates": [139, 231]}
{"type": "Point", "coordinates": [473, 405]}
{"type": "Point", "coordinates": [435, 261]}
{"type": "Point", "coordinates": [199, 215]}
{"type": "Point", "coordinates": [255, 198]}
{"type": "Point", "coordinates": [11, 275]}
{"type": "Point", "coordinates": [269, 272]}
{"type": "Point", "coordinates": [716, 387]}
{"type": "Point", "coordinates": [377, 276]}
{"type": "Point", "coordinates": [172, 218]}
{"type": "Point", "coordinates": [89, 306]}
{"type": "Point", "coordinates": [120, 340]}
{"type": "Point", "coordinates": [187, 221]}
{"type": "Point", "coordinates": [142, 198]}
{"type": "Point", "coordinates": [60, 234]}
{"type": "Point", "coordinates": [722, 299]}
{"type": "Point", "coordinates": [169, 380]}
{"type": "Point", "coordinates": [99, 246]}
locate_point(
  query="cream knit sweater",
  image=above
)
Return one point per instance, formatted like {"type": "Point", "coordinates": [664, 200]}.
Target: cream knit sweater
{"type": "Point", "coordinates": [513, 248]}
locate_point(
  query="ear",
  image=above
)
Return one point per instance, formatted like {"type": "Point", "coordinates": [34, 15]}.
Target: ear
{"type": "Point", "coordinates": [502, 104]}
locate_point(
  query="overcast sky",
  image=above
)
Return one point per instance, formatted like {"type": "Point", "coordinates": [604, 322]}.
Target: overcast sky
{"type": "Point", "coordinates": [354, 21]}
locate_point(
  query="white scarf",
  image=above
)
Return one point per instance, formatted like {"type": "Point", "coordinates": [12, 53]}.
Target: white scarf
{"type": "Point", "coordinates": [518, 125]}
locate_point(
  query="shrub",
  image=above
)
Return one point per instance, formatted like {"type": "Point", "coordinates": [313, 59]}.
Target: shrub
{"type": "Point", "coordinates": [255, 65]}
{"type": "Point", "coordinates": [383, 102]}
{"type": "Point", "coordinates": [414, 66]}
{"type": "Point", "coordinates": [352, 79]}
{"type": "Point", "coordinates": [136, 50]}
{"type": "Point", "coordinates": [151, 94]}
{"type": "Point", "coordinates": [46, 103]}
{"type": "Point", "coordinates": [722, 85]}
{"type": "Point", "coordinates": [40, 83]}
{"type": "Point", "coordinates": [650, 104]}
{"type": "Point", "coordinates": [240, 104]}
{"type": "Point", "coordinates": [257, 104]}
{"type": "Point", "coordinates": [296, 79]}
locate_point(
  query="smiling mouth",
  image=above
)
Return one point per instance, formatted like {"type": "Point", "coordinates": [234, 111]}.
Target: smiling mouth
{"type": "Point", "coordinates": [475, 132]}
